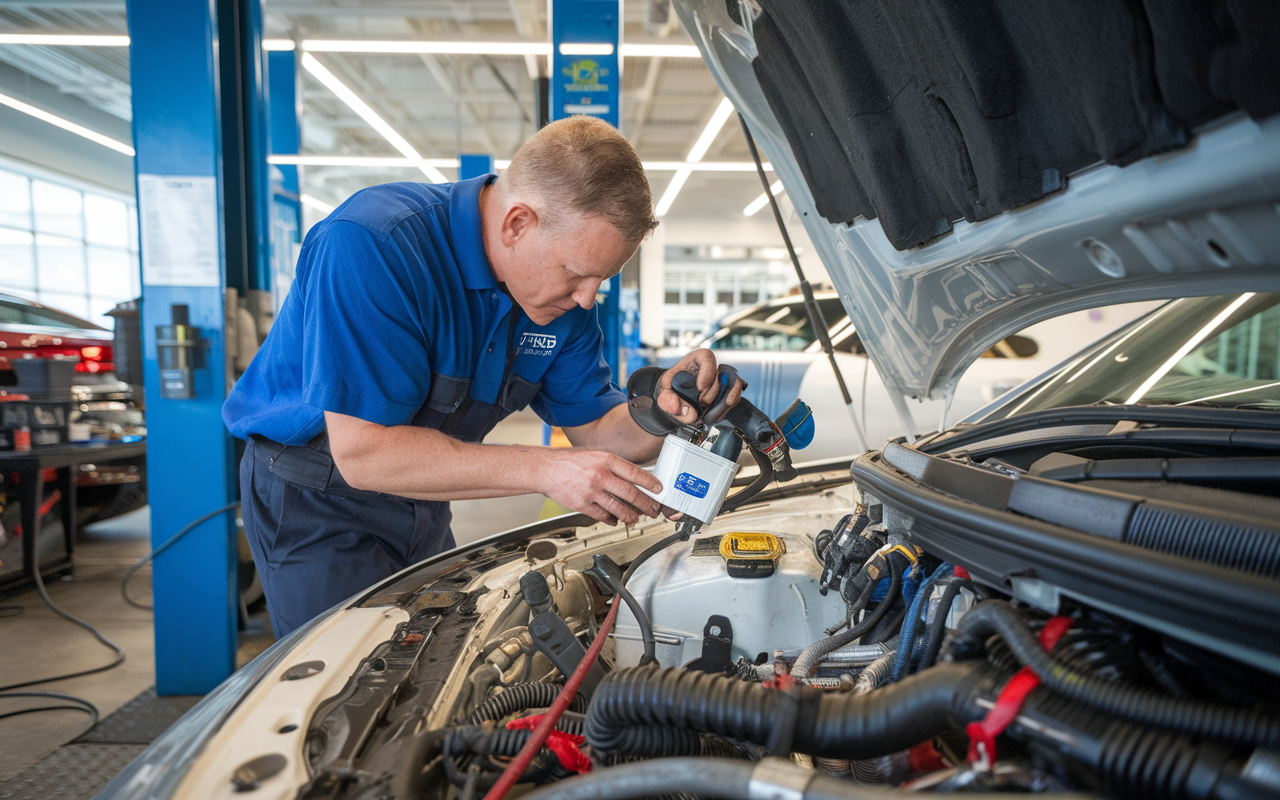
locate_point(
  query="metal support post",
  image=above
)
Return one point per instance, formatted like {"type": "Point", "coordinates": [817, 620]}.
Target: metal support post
{"type": "Point", "coordinates": [586, 74]}
{"type": "Point", "coordinates": [199, 131]}
{"type": "Point", "coordinates": [473, 166]}
{"type": "Point", "coordinates": [284, 104]}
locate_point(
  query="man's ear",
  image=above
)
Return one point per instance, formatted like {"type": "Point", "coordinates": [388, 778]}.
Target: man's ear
{"type": "Point", "coordinates": [520, 220]}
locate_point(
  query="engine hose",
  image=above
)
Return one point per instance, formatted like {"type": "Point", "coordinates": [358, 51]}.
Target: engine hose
{"type": "Point", "coordinates": [907, 636]}
{"type": "Point", "coordinates": [729, 779]}
{"type": "Point", "coordinates": [1124, 759]}
{"type": "Point", "coordinates": [875, 673]}
{"type": "Point", "coordinates": [826, 725]}
{"type": "Point", "coordinates": [544, 766]}
{"type": "Point", "coordinates": [815, 652]}
{"type": "Point", "coordinates": [937, 629]}
{"type": "Point", "coordinates": [619, 587]}
{"type": "Point", "coordinates": [649, 552]}
{"type": "Point", "coordinates": [520, 697]}
{"type": "Point", "coordinates": [1197, 717]}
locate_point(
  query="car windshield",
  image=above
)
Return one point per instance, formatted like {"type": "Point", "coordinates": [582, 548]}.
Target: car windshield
{"type": "Point", "coordinates": [15, 311]}
{"type": "Point", "coordinates": [1208, 351]}
{"type": "Point", "coordinates": [783, 326]}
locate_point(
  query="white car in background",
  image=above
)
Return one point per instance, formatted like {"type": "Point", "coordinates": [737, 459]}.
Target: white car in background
{"type": "Point", "coordinates": [775, 350]}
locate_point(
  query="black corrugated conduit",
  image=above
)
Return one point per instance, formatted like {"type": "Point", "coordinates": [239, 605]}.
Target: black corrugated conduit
{"type": "Point", "coordinates": [520, 697]}
{"type": "Point", "coordinates": [641, 709]}
{"type": "Point", "coordinates": [1197, 717]}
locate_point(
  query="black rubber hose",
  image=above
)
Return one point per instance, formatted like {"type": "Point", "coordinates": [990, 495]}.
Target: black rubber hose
{"type": "Point", "coordinates": [619, 588]}
{"type": "Point", "coordinates": [710, 777]}
{"type": "Point", "coordinates": [832, 726]}
{"type": "Point", "coordinates": [938, 627]}
{"type": "Point", "coordinates": [1197, 717]}
{"type": "Point", "coordinates": [813, 654]}
{"type": "Point", "coordinates": [519, 697]}
{"type": "Point", "coordinates": [754, 488]}
{"type": "Point", "coordinates": [651, 550]}
{"type": "Point", "coordinates": [719, 777]}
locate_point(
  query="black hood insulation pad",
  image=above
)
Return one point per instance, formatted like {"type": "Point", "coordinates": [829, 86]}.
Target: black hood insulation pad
{"type": "Point", "coordinates": [921, 112]}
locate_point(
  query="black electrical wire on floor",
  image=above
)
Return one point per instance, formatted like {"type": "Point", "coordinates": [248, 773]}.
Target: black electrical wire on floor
{"type": "Point", "coordinates": [81, 703]}
{"type": "Point", "coordinates": [190, 526]}
{"type": "Point", "coordinates": [11, 611]}
{"type": "Point", "coordinates": [97, 634]}
{"type": "Point", "coordinates": [77, 704]}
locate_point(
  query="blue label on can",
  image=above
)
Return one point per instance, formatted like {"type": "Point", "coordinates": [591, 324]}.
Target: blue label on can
{"type": "Point", "coordinates": [692, 484]}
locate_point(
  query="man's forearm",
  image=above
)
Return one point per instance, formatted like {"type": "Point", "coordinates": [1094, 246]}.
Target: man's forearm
{"type": "Point", "coordinates": [424, 464]}
{"type": "Point", "coordinates": [617, 433]}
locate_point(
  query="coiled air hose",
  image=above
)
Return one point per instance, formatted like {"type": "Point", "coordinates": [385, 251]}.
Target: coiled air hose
{"type": "Point", "coordinates": [1197, 717]}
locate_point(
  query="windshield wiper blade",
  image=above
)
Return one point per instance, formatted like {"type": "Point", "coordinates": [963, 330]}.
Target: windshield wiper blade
{"type": "Point", "coordinates": [1194, 416]}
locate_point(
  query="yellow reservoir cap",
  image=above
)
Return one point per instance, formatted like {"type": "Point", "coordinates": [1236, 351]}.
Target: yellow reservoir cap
{"type": "Point", "coordinates": [751, 555]}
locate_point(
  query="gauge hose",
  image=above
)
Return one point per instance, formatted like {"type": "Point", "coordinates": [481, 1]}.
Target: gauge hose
{"type": "Point", "coordinates": [1187, 715]}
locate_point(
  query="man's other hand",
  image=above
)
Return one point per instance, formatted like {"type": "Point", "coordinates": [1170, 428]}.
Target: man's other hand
{"type": "Point", "coordinates": [702, 363]}
{"type": "Point", "coordinates": [599, 484]}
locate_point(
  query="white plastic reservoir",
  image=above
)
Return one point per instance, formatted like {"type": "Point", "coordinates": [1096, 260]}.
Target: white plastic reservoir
{"type": "Point", "coordinates": [680, 587]}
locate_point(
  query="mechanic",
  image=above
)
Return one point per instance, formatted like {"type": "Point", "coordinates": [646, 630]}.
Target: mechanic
{"type": "Point", "coordinates": [422, 315]}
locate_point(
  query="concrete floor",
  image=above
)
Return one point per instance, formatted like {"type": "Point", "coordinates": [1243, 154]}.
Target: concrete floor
{"type": "Point", "coordinates": [36, 642]}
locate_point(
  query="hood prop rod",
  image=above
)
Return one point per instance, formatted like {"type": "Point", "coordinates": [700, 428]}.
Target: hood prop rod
{"type": "Point", "coordinates": [816, 319]}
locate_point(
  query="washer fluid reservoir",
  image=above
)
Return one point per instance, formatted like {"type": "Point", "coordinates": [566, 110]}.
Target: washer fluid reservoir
{"type": "Point", "coordinates": [682, 586]}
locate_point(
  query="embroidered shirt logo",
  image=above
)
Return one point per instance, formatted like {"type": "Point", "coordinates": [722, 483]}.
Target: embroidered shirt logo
{"type": "Point", "coordinates": [537, 344]}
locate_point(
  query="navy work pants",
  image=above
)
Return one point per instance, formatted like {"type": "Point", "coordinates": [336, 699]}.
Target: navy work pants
{"type": "Point", "coordinates": [314, 548]}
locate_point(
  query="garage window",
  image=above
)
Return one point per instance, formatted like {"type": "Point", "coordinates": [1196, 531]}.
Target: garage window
{"type": "Point", "coordinates": [69, 247]}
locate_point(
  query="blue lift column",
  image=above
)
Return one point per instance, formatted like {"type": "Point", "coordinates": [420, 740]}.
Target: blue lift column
{"type": "Point", "coordinates": [471, 165]}
{"type": "Point", "coordinates": [586, 77]}
{"type": "Point", "coordinates": [200, 132]}
{"type": "Point", "coordinates": [284, 114]}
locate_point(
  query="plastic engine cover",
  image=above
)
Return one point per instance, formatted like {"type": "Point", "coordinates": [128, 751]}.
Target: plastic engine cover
{"type": "Point", "coordinates": [680, 587]}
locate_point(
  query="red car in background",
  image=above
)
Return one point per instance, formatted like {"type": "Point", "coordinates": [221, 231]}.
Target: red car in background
{"type": "Point", "coordinates": [102, 402]}
{"type": "Point", "coordinates": [28, 328]}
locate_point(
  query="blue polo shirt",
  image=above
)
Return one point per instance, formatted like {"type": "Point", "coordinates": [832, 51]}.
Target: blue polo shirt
{"type": "Point", "coordinates": [393, 286]}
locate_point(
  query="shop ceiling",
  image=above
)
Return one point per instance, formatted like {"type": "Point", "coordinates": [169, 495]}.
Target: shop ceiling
{"type": "Point", "coordinates": [442, 104]}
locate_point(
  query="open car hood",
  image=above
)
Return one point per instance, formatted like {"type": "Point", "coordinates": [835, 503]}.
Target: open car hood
{"type": "Point", "coordinates": [965, 170]}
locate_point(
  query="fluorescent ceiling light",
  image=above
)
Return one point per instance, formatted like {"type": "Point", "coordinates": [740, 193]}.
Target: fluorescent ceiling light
{"type": "Point", "coordinates": [66, 125]}
{"type": "Point", "coordinates": [369, 115]}
{"type": "Point", "coordinates": [362, 161]}
{"type": "Point", "coordinates": [659, 51]}
{"type": "Point", "coordinates": [452, 163]}
{"type": "Point", "coordinates": [626, 50]}
{"type": "Point", "coordinates": [419, 46]}
{"type": "Point", "coordinates": [318, 205]}
{"type": "Point", "coordinates": [1187, 347]}
{"type": "Point", "coordinates": [704, 166]}
{"type": "Point", "coordinates": [673, 189]}
{"type": "Point", "coordinates": [699, 150]}
{"type": "Point", "coordinates": [586, 49]}
{"type": "Point", "coordinates": [64, 39]}
{"type": "Point", "coordinates": [710, 132]}
{"type": "Point", "coordinates": [763, 200]}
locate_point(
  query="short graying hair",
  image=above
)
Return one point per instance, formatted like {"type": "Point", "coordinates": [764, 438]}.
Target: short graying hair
{"type": "Point", "coordinates": [586, 164]}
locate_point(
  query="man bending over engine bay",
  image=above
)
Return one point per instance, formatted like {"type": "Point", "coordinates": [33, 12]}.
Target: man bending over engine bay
{"type": "Point", "coordinates": [421, 316]}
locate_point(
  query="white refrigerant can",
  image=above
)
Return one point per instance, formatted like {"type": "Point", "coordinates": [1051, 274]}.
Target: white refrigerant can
{"type": "Point", "coordinates": [694, 481]}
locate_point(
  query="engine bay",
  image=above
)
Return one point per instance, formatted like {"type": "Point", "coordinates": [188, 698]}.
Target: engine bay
{"type": "Point", "coordinates": [808, 638]}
